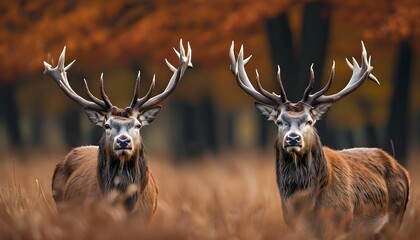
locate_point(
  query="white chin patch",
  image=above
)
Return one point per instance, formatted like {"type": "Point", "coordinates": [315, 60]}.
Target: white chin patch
{"type": "Point", "coordinates": [123, 152]}
{"type": "Point", "coordinates": [293, 149]}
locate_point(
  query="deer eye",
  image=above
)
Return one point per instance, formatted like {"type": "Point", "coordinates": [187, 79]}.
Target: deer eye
{"type": "Point", "coordinates": [107, 126]}
{"type": "Point", "coordinates": [279, 122]}
{"type": "Point", "coordinates": [309, 122]}
{"type": "Point", "coordinates": [138, 126]}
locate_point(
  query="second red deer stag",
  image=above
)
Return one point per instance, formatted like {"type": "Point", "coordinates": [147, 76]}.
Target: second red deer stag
{"type": "Point", "coordinates": [327, 193]}
{"type": "Point", "coordinates": [118, 166]}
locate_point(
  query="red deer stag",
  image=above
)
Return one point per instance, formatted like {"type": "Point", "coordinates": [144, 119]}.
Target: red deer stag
{"type": "Point", "coordinates": [324, 192]}
{"type": "Point", "coordinates": [119, 164]}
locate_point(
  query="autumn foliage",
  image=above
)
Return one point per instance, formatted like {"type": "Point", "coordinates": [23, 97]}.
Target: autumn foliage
{"type": "Point", "coordinates": [123, 31]}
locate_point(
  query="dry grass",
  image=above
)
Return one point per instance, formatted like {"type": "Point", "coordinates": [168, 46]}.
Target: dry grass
{"type": "Point", "coordinates": [232, 196]}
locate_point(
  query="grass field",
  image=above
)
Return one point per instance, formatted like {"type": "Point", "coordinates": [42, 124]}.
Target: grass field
{"type": "Point", "coordinates": [229, 196]}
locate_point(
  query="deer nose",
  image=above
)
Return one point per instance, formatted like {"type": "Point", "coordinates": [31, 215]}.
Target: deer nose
{"type": "Point", "coordinates": [123, 141]}
{"type": "Point", "coordinates": [293, 139]}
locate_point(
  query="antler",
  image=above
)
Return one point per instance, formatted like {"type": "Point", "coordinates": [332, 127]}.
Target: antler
{"type": "Point", "coordinates": [237, 66]}
{"type": "Point", "coordinates": [147, 102]}
{"type": "Point", "coordinates": [59, 74]}
{"type": "Point", "coordinates": [360, 73]}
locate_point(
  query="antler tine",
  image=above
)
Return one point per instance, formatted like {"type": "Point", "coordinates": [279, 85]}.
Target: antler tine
{"type": "Point", "coordinates": [264, 92]}
{"type": "Point", "coordinates": [237, 66]}
{"type": "Point", "coordinates": [232, 59]}
{"type": "Point", "coordinates": [189, 55]}
{"type": "Point", "coordinates": [103, 94]}
{"type": "Point", "coordinates": [141, 101]}
{"type": "Point", "coordinates": [184, 62]}
{"type": "Point", "coordinates": [240, 65]}
{"type": "Point", "coordinates": [181, 47]}
{"type": "Point", "coordinates": [59, 72]}
{"type": "Point", "coordinates": [59, 75]}
{"type": "Point", "coordinates": [136, 91]}
{"type": "Point", "coordinates": [92, 97]}
{"type": "Point", "coordinates": [360, 73]}
{"type": "Point", "coordinates": [371, 76]}
{"type": "Point", "coordinates": [280, 82]}
{"type": "Point", "coordinates": [325, 88]}
{"type": "Point", "coordinates": [310, 84]}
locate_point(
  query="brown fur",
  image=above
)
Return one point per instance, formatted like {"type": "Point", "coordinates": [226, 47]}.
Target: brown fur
{"type": "Point", "coordinates": [75, 181]}
{"type": "Point", "coordinates": [327, 193]}
{"type": "Point", "coordinates": [353, 190]}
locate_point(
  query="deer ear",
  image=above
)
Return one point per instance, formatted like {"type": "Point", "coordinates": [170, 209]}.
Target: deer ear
{"type": "Point", "coordinates": [269, 112]}
{"type": "Point", "coordinates": [96, 118]}
{"type": "Point", "coordinates": [320, 110]}
{"type": "Point", "coordinates": [147, 117]}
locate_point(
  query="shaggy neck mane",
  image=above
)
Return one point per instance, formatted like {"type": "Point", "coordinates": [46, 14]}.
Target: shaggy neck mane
{"type": "Point", "coordinates": [121, 175]}
{"type": "Point", "coordinates": [300, 172]}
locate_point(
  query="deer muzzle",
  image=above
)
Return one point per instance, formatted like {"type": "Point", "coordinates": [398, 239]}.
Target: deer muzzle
{"type": "Point", "coordinates": [123, 145]}
{"type": "Point", "coordinates": [293, 142]}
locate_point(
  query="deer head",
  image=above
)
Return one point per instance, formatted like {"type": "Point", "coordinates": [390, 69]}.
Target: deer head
{"type": "Point", "coordinates": [122, 126]}
{"type": "Point", "coordinates": [295, 121]}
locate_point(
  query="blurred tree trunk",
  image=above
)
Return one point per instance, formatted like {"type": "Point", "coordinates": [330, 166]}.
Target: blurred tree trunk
{"type": "Point", "coordinates": [184, 138]}
{"type": "Point", "coordinates": [398, 116]}
{"type": "Point", "coordinates": [370, 127]}
{"type": "Point", "coordinates": [315, 35]}
{"type": "Point", "coordinates": [207, 122]}
{"type": "Point", "coordinates": [72, 127]}
{"type": "Point", "coordinates": [70, 119]}
{"type": "Point", "coordinates": [344, 136]}
{"type": "Point", "coordinates": [95, 135]}
{"type": "Point", "coordinates": [10, 114]}
{"type": "Point", "coordinates": [372, 140]}
{"type": "Point", "coordinates": [314, 42]}
{"type": "Point", "coordinates": [193, 129]}
{"type": "Point", "coordinates": [281, 48]}
{"type": "Point", "coordinates": [228, 130]}
{"type": "Point", "coordinates": [36, 129]}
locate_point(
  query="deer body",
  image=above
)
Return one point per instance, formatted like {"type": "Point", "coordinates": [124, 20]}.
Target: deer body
{"type": "Point", "coordinates": [117, 169]}
{"type": "Point", "coordinates": [350, 190]}
{"type": "Point", "coordinates": [325, 193]}
{"type": "Point", "coordinates": [76, 170]}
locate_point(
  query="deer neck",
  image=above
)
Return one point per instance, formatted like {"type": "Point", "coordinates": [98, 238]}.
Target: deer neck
{"type": "Point", "coordinates": [126, 178]}
{"type": "Point", "coordinates": [298, 173]}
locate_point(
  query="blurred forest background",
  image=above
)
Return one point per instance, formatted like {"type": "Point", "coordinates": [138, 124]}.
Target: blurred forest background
{"type": "Point", "coordinates": [208, 113]}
